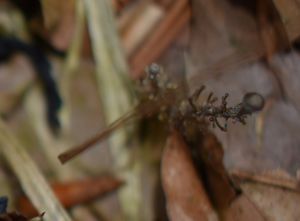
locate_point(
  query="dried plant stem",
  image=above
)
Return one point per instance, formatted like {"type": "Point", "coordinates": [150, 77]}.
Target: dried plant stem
{"type": "Point", "coordinates": [114, 89]}
{"type": "Point", "coordinates": [32, 181]}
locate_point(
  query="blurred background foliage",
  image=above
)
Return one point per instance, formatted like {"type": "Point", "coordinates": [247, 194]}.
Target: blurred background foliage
{"type": "Point", "coordinates": [68, 69]}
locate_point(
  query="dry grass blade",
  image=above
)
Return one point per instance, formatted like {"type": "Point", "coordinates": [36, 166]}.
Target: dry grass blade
{"type": "Point", "coordinates": [114, 90]}
{"type": "Point", "coordinates": [30, 177]}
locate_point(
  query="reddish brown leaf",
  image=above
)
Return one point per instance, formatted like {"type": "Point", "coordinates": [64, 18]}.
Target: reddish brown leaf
{"type": "Point", "coordinates": [74, 193]}
{"type": "Point", "coordinates": [185, 193]}
{"type": "Point", "coordinates": [221, 190]}
{"type": "Point", "coordinates": [231, 206]}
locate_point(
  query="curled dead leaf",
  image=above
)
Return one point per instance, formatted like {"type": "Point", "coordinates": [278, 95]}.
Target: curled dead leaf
{"type": "Point", "coordinates": [185, 194]}
{"type": "Point", "coordinates": [209, 152]}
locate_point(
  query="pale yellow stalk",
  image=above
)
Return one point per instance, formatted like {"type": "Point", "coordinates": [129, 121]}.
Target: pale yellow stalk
{"type": "Point", "coordinates": [116, 97]}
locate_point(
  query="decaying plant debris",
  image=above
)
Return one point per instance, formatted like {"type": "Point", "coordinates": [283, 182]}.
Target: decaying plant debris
{"type": "Point", "coordinates": [158, 95]}
{"type": "Point", "coordinates": [181, 151]}
{"type": "Point", "coordinates": [189, 118]}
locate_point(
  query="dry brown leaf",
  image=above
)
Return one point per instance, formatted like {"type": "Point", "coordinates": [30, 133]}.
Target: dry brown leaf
{"type": "Point", "coordinates": [75, 193]}
{"type": "Point", "coordinates": [277, 204]}
{"type": "Point", "coordinates": [186, 195]}
{"type": "Point", "coordinates": [184, 190]}
{"type": "Point", "coordinates": [219, 186]}
{"type": "Point", "coordinates": [231, 205]}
